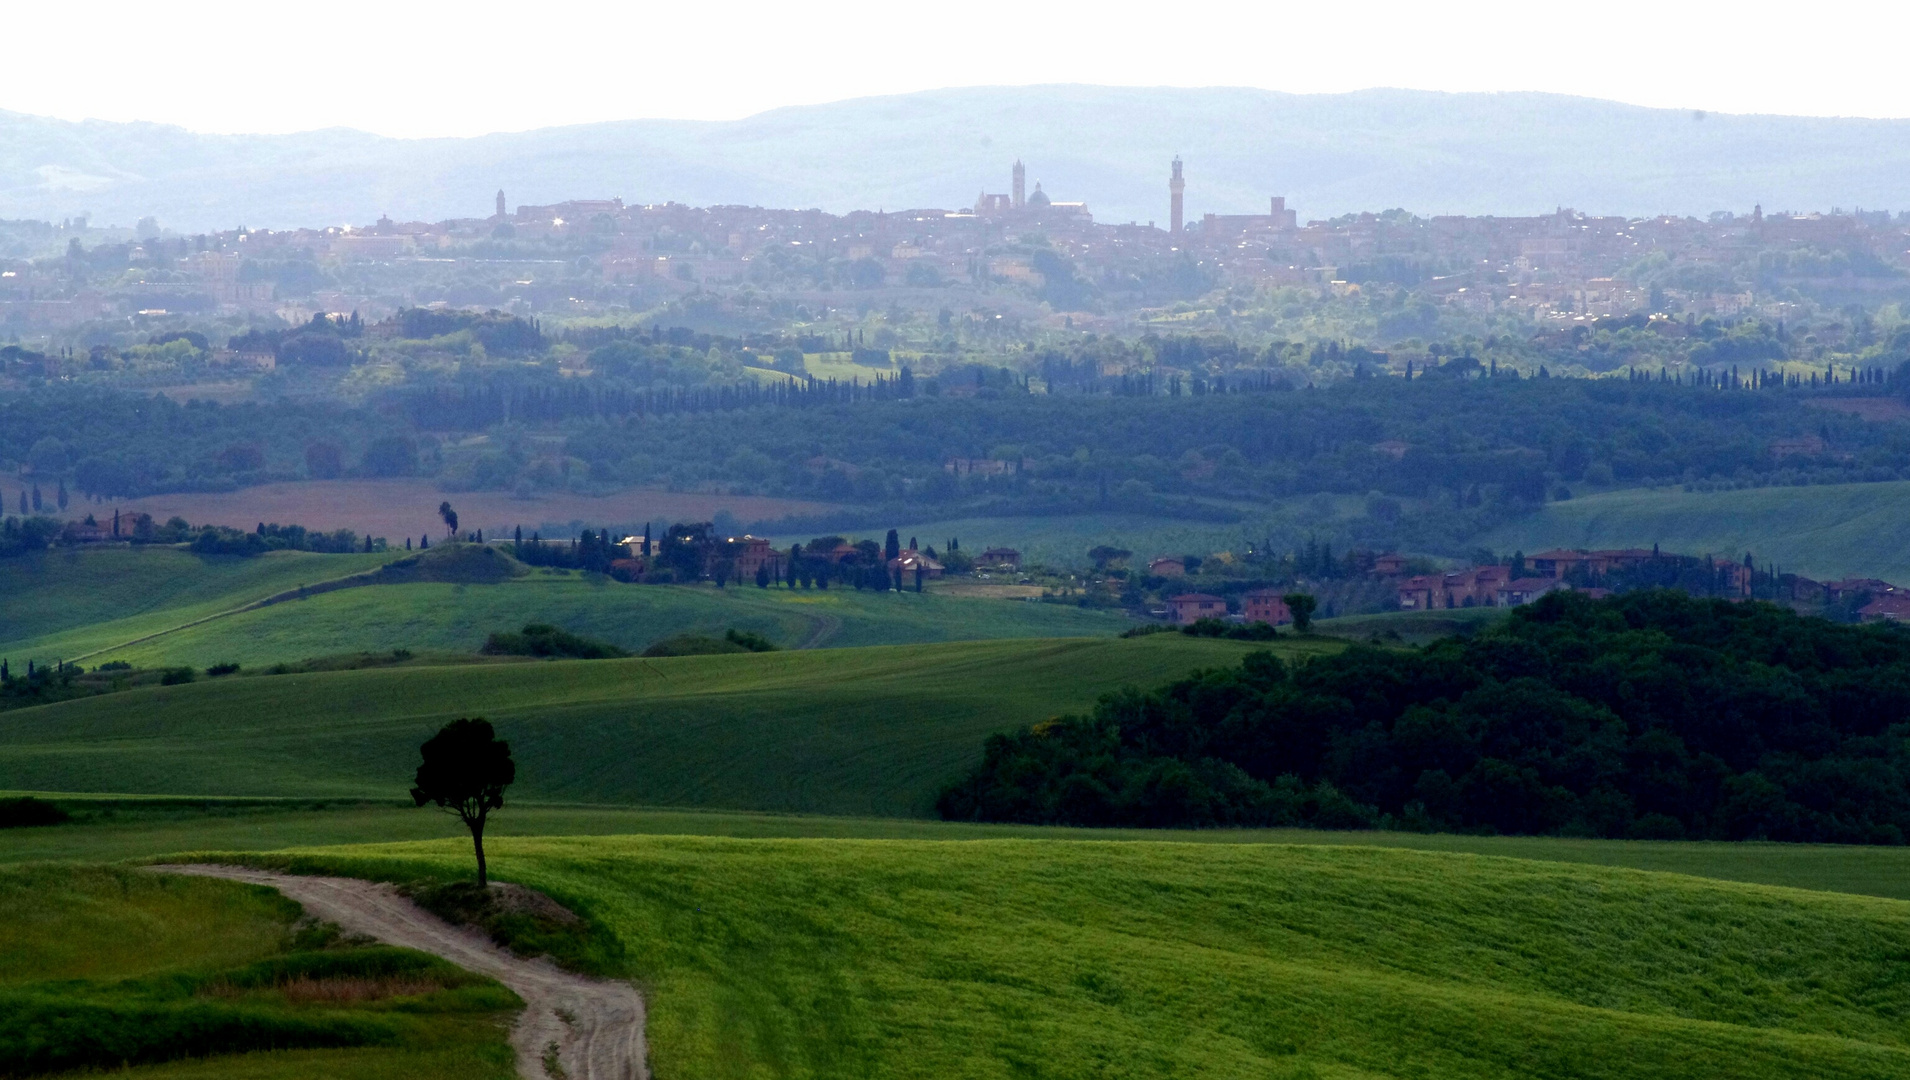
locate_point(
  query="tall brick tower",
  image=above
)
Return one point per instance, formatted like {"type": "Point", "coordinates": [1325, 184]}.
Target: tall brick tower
{"type": "Point", "coordinates": [1021, 185]}
{"type": "Point", "coordinates": [500, 205]}
{"type": "Point", "coordinates": [1175, 186]}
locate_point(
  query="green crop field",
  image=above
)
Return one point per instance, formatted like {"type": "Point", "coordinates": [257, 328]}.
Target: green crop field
{"type": "Point", "coordinates": [104, 965]}
{"type": "Point", "coordinates": [1826, 531]}
{"type": "Point", "coordinates": [1016, 957]}
{"type": "Point", "coordinates": [84, 598]}
{"type": "Point", "coordinates": [93, 603]}
{"type": "Point", "coordinates": [852, 731]}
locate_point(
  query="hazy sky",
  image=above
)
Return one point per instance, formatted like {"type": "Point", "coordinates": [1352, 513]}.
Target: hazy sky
{"type": "Point", "coordinates": [419, 69]}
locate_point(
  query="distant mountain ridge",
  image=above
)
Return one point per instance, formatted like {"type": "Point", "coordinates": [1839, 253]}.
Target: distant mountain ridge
{"type": "Point", "coordinates": [1512, 153]}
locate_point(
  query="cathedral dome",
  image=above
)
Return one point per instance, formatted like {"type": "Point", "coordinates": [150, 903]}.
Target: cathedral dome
{"type": "Point", "coordinates": [1039, 198]}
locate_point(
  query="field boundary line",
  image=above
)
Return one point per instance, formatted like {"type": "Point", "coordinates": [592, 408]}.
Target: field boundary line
{"type": "Point", "coordinates": [349, 581]}
{"type": "Point", "coordinates": [826, 627]}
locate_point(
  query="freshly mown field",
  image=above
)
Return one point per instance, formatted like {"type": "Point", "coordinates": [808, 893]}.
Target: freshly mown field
{"type": "Point", "coordinates": [848, 731]}
{"type": "Point", "coordinates": [150, 607]}
{"type": "Point", "coordinates": [161, 976]}
{"type": "Point", "coordinates": [1014, 957]}
{"type": "Point", "coordinates": [1825, 531]}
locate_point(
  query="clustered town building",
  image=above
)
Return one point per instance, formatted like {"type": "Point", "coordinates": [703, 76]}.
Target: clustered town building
{"type": "Point", "coordinates": [1561, 266]}
{"type": "Point", "coordinates": [1506, 585]}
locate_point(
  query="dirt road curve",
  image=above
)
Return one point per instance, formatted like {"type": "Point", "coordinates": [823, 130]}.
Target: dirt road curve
{"type": "Point", "coordinates": [597, 1027]}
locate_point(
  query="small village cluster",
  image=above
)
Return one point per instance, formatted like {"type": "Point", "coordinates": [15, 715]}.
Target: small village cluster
{"type": "Point", "coordinates": [1526, 579]}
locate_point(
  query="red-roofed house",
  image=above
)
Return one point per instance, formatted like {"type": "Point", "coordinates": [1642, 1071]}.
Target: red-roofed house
{"type": "Point", "coordinates": [1418, 593]}
{"type": "Point", "coordinates": [1189, 607]}
{"type": "Point", "coordinates": [1890, 607]}
{"type": "Point", "coordinates": [1526, 590]}
{"type": "Point", "coordinates": [1265, 605]}
{"type": "Point", "coordinates": [1389, 565]}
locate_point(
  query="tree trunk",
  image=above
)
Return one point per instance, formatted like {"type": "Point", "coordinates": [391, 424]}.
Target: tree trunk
{"type": "Point", "coordinates": [477, 841]}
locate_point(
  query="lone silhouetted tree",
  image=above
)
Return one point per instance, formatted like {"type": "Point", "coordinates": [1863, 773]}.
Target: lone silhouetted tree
{"type": "Point", "coordinates": [450, 517]}
{"type": "Point", "coordinates": [1302, 606]}
{"type": "Point", "coordinates": [465, 771]}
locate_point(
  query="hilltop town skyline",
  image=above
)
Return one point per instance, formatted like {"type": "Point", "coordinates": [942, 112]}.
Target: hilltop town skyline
{"type": "Point", "coordinates": [1434, 154]}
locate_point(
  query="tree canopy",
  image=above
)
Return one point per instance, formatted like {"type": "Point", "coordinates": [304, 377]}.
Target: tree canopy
{"type": "Point", "coordinates": [1647, 715]}
{"type": "Point", "coordinates": [465, 771]}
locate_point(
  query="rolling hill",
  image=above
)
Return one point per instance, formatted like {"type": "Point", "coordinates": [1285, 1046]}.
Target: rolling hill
{"type": "Point", "coordinates": [1824, 531]}
{"type": "Point", "coordinates": [1511, 153]}
{"type": "Point", "coordinates": [1014, 957]}
{"type": "Point", "coordinates": [872, 731]}
{"type": "Point", "coordinates": [163, 606]}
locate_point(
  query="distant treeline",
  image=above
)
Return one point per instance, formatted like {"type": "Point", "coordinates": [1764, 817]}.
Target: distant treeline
{"type": "Point", "coordinates": [1650, 715]}
{"type": "Point", "coordinates": [24, 535]}
{"type": "Point", "coordinates": [1439, 458]}
{"type": "Point", "coordinates": [475, 406]}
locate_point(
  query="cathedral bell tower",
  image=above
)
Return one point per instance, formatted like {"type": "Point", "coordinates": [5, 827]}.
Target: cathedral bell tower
{"type": "Point", "coordinates": [1021, 185]}
{"type": "Point", "coordinates": [1175, 186]}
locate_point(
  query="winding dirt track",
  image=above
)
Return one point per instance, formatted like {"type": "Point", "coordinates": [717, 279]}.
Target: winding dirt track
{"type": "Point", "coordinates": [596, 1027]}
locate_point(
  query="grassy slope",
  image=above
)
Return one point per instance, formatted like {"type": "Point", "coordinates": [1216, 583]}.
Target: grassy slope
{"type": "Point", "coordinates": [105, 924]}
{"type": "Point", "coordinates": [108, 829]}
{"type": "Point", "coordinates": [458, 617]}
{"type": "Point", "coordinates": [862, 731]}
{"type": "Point", "coordinates": [1003, 958]}
{"type": "Point", "coordinates": [85, 598]}
{"type": "Point", "coordinates": [1827, 531]}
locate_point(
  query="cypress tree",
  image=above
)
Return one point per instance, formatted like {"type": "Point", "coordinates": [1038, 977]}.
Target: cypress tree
{"type": "Point", "coordinates": [892, 547]}
{"type": "Point", "coordinates": [62, 495]}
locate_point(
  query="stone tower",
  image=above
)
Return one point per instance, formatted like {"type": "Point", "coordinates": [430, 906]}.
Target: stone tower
{"type": "Point", "coordinates": [1021, 185]}
{"type": "Point", "coordinates": [1175, 186]}
{"type": "Point", "coordinates": [500, 204]}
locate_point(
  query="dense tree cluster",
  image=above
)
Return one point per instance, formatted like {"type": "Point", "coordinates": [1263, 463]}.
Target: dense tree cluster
{"type": "Point", "coordinates": [1464, 448]}
{"type": "Point", "coordinates": [121, 445]}
{"type": "Point", "coordinates": [1650, 715]}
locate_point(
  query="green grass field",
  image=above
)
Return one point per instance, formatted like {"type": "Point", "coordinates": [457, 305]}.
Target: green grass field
{"type": "Point", "coordinates": [108, 828]}
{"type": "Point", "coordinates": [82, 598]}
{"type": "Point", "coordinates": [1063, 541]}
{"type": "Point", "coordinates": [78, 603]}
{"type": "Point", "coordinates": [1827, 531]}
{"type": "Point", "coordinates": [846, 731]}
{"type": "Point", "coordinates": [999, 958]}
{"type": "Point", "coordinates": [138, 966]}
